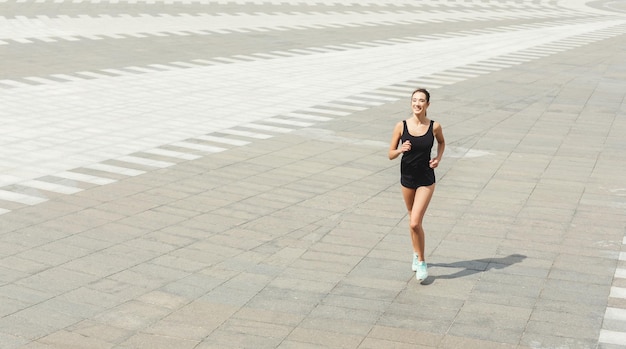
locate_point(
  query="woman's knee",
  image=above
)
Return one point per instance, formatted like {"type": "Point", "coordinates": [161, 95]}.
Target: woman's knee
{"type": "Point", "coordinates": [415, 225]}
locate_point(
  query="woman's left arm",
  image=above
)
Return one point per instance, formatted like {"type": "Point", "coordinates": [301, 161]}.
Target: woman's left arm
{"type": "Point", "coordinates": [441, 144]}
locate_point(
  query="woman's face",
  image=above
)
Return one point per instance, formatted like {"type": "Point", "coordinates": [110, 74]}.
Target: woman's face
{"type": "Point", "coordinates": [418, 102]}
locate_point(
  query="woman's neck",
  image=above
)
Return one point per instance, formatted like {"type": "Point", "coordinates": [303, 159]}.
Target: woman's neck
{"type": "Point", "coordinates": [421, 118]}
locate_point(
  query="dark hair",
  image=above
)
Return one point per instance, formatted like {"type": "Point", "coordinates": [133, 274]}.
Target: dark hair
{"type": "Point", "coordinates": [424, 91]}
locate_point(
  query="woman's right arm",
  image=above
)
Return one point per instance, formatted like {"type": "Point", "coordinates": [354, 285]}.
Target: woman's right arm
{"type": "Point", "coordinates": [394, 152]}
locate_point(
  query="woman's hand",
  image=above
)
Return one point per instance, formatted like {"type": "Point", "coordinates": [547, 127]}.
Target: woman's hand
{"type": "Point", "coordinates": [433, 163]}
{"type": "Point", "coordinates": [406, 146]}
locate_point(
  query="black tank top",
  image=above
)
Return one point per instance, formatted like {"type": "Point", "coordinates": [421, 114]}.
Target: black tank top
{"type": "Point", "coordinates": [414, 167]}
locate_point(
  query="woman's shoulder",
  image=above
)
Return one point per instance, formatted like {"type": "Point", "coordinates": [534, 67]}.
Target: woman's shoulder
{"type": "Point", "coordinates": [436, 127]}
{"type": "Point", "coordinates": [400, 124]}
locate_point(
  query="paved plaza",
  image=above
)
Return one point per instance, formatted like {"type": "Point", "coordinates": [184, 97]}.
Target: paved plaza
{"type": "Point", "coordinates": [214, 174]}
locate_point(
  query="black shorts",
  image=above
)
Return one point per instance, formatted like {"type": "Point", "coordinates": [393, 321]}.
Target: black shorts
{"type": "Point", "coordinates": [415, 181]}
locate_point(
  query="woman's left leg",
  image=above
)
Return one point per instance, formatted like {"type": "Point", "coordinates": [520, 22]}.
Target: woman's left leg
{"type": "Point", "coordinates": [420, 204]}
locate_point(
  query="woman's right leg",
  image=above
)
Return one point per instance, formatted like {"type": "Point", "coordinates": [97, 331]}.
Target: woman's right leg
{"type": "Point", "coordinates": [417, 201]}
{"type": "Point", "coordinates": [409, 200]}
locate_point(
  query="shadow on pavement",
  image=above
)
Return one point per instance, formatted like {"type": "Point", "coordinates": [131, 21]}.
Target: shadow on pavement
{"type": "Point", "coordinates": [474, 266]}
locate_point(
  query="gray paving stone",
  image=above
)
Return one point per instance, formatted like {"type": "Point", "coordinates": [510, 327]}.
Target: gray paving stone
{"type": "Point", "coordinates": [10, 341]}
{"type": "Point", "coordinates": [488, 332]}
{"type": "Point", "coordinates": [324, 338]}
{"type": "Point", "coordinates": [143, 340]}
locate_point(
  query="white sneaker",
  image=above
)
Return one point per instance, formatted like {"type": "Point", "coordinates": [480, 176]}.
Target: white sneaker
{"type": "Point", "coordinates": [422, 271]}
{"type": "Point", "coordinates": [415, 264]}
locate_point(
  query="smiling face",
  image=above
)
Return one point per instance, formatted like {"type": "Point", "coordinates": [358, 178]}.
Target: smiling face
{"type": "Point", "coordinates": [419, 102]}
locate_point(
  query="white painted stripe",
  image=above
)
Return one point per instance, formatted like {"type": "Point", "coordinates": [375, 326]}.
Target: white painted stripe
{"type": "Point", "coordinates": [146, 162]}
{"type": "Point", "coordinates": [205, 62]}
{"type": "Point", "coordinates": [618, 292]}
{"type": "Point", "coordinates": [473, 69]}
{"type": "Point", "coordinates": [172, 154]}
{"type": "Point", "coordinates": [201, 147]}
{"type": "Point", "coordinates": [307, 116]}
{"type": "Point", "coordinates": [622, 256]}
{"type": "Point", "coordinates": [326, 111]}
{"type": "Point", "coordinates": [22, 41]}
{"type": "Point", "coordinates": [3, 211]}
{"type": "Point", "coordinates": [246, 134]}
{"type": "Point", "coordinates": [13, 83]}
{"type": "Point", "coordinates": [226, 60]}
{"type": "Point", "coordinates": [96, 75]}
{"type": "Point", "coordinates": [114, 169]}
{"type": "Point", "coordinates": [336, 47]}
{"type": "Point", "coordinates": [624, 240]}
{"type": "Point", "coordinates": [20, 198]}
{"type": "Point", "coordinates": [268, 128]}
{"type": "Point", "coordinates": [373, 96]}
{"type": "Point", "coordinates": [615, 314]}
{"type": "Point", "coordinates": [265, 55]}
{"type": "Point", "coordinates": [81, 177]}
{"type": "Point", "coordinates": [184, 64]}
{"type": "Point", "coordinates": [505, 61]}
{"type": "Point", "coordinates": [302, 51]}
{"type": "Point", "coordinates": [401, 89]}
{"type": "Point", "coordinates": [442, 79]}
{"type": "Point", "coordinates": [245, 57]}
{"type": "Point", "coordinates": [223, 140]}
{"type": "Point", "coordinates": [289, 122]}
{"type": "Point", "coordinates": [110, 71]}
{"type": "Point", "coordinates": [484, 66]}
{"type": "Point", "coordinates": [283, 53]}
{"type": "Point", "coordinates": [90, 37]}
{"type": "Point", "coordinates": [393, 93]}
{"type": "Point", "coordinates": [67, 77]}
{"type": "Point", "coordinates": [620, 273]}
{"type": "Point", "coordinates": [53, 187]}
{"type": "Point", "coordinates": [359, 101]}
{"type": "Point", "coordinates": [40, 80]}
{"type": "Point", "coordinates": [493, 63]}
{"type": "Point", "coordinates": [612, 337]}
{"type": "Point", "coordinates": [457, 73]}
{"type": "Point", "coordinates": [44, 39]}
{"type": "Point", "coordinates": [71, 38]}
{"type": "Point", "coordinates": [162, 66]}
{"type": "Point", "coordinates": [140, 69]}
{"type": "Point", "coordinates": [343, 106]}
